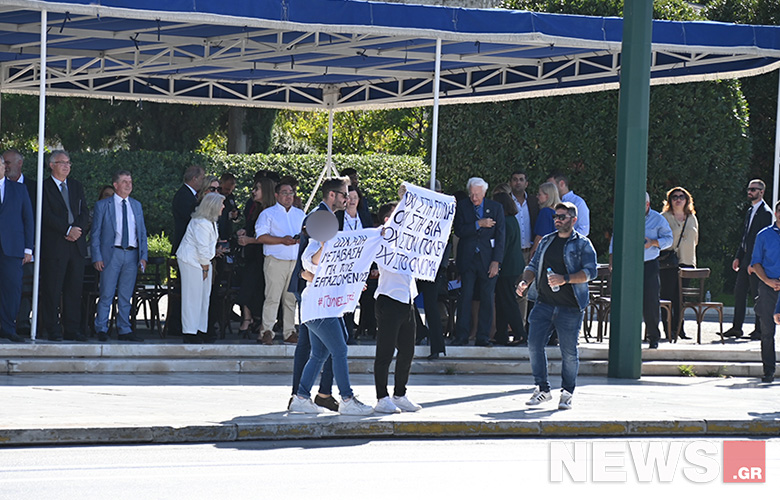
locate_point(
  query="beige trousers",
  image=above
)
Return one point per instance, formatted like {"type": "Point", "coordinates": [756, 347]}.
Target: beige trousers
{"type": "Point", "coordinates": [277, 278]}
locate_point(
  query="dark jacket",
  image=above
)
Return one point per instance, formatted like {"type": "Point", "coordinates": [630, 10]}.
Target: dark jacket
{"type": "Point", "coordinates": [297, 284]}
{"type": "Point", "coordinates": [365, 219]}
{"type": "Point", "coordinates": [184, 203]}
{"type": "Point", "coordinates": [16, 221]}
{"type": "Point", "coordinates": [54, 219]}
{"type": "Point", "coordinates": [513, 264]}
{"type": "Point", "coordinates": [762, 219]}
{"type": "Point", "coordinates": [489, 240]}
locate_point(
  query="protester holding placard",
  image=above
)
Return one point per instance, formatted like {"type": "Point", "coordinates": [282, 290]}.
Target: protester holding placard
{"type": "Point", "coordinates": [395, 330]}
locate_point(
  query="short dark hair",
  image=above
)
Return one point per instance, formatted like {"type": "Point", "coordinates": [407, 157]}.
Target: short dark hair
{"type": "Point", "coordinates": [519, 172]}
{"type": "Point", "coordinates": [278, 187]}
{"type": "Point", "coordinates": [559, 176]}
{"type": "Point", "coordinates": [118, 174]}
{"type": "Point", "coordinates": [226, 177]}
{"type": "Point", "coordinates": [568, 206]}
{"type": "Point", "coordinates": [777, 206]}
{"type": "Point", "coordinates": [334, 184]}
{"type": "Point", "coordinates": [289, 180]}
{"type": "Point", "coordinates": [348, 171]}
{"type": "Point", "coordinates": [510, 209]}
{"type": "Point", "coordinates": [385, 211]}
{"type": "Point", "coordinates": [267, 174]}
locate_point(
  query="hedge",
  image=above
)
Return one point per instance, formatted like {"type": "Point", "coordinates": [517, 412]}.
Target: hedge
{"type": "Point", "coordinates": [697, 139]}
{"type": "Point", "coordinates": [157, 175]}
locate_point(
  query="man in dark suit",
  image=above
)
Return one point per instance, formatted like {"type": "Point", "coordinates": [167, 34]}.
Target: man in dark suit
{"type": "Point", "coordinates": [119, 248]}
{"type": "Point", "coordinates": [184, 202]}
{"type": "Point", "coordinates": [13, 172]}
{"type": "Point", "coordinates": [64, 224]}
{"type": "Point", "coordinates": [527, 212]}
{"type": "Point", "coordinates": [479, 225]}
{"type": "Point", "coordinates": [758, 216]}
{"type": "Point", "coordinates": [16, 242]}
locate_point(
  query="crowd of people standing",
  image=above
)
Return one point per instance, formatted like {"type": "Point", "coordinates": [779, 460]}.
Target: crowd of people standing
{"type": "Point", "coordinates": [523, 262]}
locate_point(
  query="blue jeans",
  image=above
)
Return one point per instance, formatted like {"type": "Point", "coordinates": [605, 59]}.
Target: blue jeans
{"type": "Point", "coordinates": [328, 336]}
{"type": "Point", "coordinates": [302, 353]}
{"type": "Point", "coordinates": [567, 322]}
{"type": "Point", "coordinates": [118, 276]}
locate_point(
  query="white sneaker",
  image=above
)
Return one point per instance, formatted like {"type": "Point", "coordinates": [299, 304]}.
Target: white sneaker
{"type": "Point", "coordinates": [386, 405]}
{"type": "Point", "coordinates": [353, 406]}
{"type": "Point", "coordinates": [539, 397]}
{"type": "Point", "coordinates": [405, 404]}
{"type": "Point", "coordinates": [304, 405]}
{"type": "Point", "coordinates": [565, 401]}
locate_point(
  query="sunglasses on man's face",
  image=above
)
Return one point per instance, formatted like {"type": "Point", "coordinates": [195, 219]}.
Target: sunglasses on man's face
{"type": "Point", "coordinates": [751, 189]}
{"type": "Point", "coordinates": [561, 217]}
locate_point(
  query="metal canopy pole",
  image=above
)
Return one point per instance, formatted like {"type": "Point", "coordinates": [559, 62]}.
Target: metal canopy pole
{"type": "Point", "coordinates": [625, 341]}
{"type": "Point", "coordinates": [776, 176]}
{"type": "Point", "coordinates": [435, 132]}
{"type": "Point", "coordinates": [39, 184]}
{"type": "Point", "coordinates": [330, 97]}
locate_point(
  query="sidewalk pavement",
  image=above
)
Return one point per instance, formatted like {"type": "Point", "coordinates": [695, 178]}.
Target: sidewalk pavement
{"type": "Point", "coordinates": [64, 409]}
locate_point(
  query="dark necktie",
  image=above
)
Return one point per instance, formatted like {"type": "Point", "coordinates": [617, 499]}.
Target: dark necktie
{"type": "Point", "coordinates": [125, 232]}
{"type": "Point", "coordinates": [66, 199]}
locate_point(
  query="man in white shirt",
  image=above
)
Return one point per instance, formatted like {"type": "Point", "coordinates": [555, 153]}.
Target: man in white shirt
{"type": "Point", "coordinates": [276, 228]}
{"type": "Point", "coordinates": [527, 211]}
{"type": "Point", "coordinates": [582, 225]}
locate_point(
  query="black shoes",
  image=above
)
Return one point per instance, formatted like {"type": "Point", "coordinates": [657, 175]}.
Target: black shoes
{"type": "Point", "coordinates": [55, 337]}
{"type": "Point", "coordinates": [328, 402]}
{"type": "Point", "coordinates": [191, 339]}
{"type": "Point", "coordinates": [484, 343]}
{"type": "Point", "coordinates": [77, 337]}
{"type": "Point", "coordinates": [434, 356]}
{"type": "Point", "coordinates": [129, 337]}
{"type": "Point", "coordinates": [755, 335]}
{"type": "Point", "coordinates": [733, 332]}
{"type": "Point", "coordinates": [458, 342]}
{"type": "Point", "coordinates": [653, 344]}
{"type": "Point", "coordinates": [13, 337]}
{"type": "Point", "coordinates": [768, 379]}
{"type": "Point", "coordinates": [103, 336]}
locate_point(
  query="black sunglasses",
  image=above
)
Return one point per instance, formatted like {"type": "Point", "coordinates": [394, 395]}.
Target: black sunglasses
{"type": "Point", "coordinates": [678, 197]}
{"type": "Point", "coordinates": [751, 189]}
{"type": "Point", "coordinates": [561, 217]}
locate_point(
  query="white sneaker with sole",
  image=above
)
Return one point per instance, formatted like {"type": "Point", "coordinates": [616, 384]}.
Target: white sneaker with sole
{"type": "Point", "coordinates": [304, 405]}
{"type": "Point", "coordinates": [386, 405]}
{"type": "Point", "coordinates": [405, 404]}
{"type": "Point", "coordinates": [539, 397]}
{"type": "Point", "coordinates": [353, 406]}
{"type": "Point", "coordinates": [565, 401]}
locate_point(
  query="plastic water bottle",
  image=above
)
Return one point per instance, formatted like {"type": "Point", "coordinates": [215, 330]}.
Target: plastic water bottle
{"type": "Point", "coordinates": [553, 288]}
{"type": "Point", "coordinates": [708, 296]}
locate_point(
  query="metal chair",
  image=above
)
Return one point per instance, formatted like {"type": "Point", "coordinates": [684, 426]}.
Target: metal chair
{"type": "Point", "coordinates": [149, 290]}
{"type": "Point", "coordinates": [600, 303]}
{"type": "Point", "coordinates": [692, 297]}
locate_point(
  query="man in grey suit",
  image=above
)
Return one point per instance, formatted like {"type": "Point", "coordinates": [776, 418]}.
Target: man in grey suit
{"type": "Point", "coordinates": [119, 248]}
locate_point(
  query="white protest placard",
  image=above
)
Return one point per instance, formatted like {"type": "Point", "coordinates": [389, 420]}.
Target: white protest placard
{"type": "Point", "coordinates": [343, 269]}
{"type": "Point", "coordinates": [416, 234]}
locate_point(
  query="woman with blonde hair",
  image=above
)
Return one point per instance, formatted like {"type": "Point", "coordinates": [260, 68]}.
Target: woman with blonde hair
{"type": "Point", "coordinates": [679, 212]}
{"type": "Point", "coordinates": [210, 185]}
{"type": "Point", "coordinates": [548, 197]}
{"type": "Point", "coordinates": [194, 256]}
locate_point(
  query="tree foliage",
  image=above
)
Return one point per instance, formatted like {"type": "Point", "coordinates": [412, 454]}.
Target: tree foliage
{"type": "Point", "coordinates": [391, 131]}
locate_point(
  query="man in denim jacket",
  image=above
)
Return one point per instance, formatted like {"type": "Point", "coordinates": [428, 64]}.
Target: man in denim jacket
{"type": "Point", "coordinates": [561, 296]}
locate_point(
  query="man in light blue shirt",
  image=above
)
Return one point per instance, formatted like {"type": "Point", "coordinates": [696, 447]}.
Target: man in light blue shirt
{"type": "Point", "coordinates": [583, 218]}
{"type": "Point", "coordinates": [658, 236]}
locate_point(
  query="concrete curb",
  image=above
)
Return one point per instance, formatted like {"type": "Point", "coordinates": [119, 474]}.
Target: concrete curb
{"type": "Point", "coordinates": [343, 429]}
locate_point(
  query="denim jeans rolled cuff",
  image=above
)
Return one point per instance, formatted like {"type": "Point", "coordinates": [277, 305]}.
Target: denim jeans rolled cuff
{"type": "Point", "coordinates": [328, 336]}
{"type": "Point", "coordinates": [301, 356]}
{"type": "Point", "coordinates": [567, 322]}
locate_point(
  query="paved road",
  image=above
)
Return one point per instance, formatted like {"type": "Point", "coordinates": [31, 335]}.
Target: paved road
{"type": "Point", "coordinates": [431, 469]}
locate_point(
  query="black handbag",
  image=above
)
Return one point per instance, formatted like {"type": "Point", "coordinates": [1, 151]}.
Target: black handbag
{"type": "Point", "coordinates": [668, 258]}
